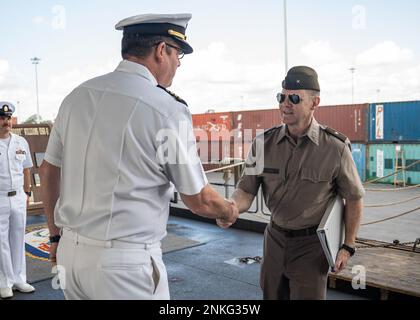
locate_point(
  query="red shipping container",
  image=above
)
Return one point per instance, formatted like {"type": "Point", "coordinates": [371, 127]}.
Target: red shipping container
{"type": "Point", "coordinates": [217, 125]}
{"type": "Point", "coordinates": [256, 120]}
{"type": "Point", "coordinates": [351, 120]}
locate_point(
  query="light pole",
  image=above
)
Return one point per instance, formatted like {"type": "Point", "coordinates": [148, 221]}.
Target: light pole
{"type": "Point", "coordinates": [352, 70]}
{"type": "Point", "coordinates": [18, 113]}
{"type": "Point", "coordinates": [36, 61]}
{"type": "Point", "coordinates": [286, 53]}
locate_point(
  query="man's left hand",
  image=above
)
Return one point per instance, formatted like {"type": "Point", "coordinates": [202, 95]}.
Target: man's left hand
{"type": "Point", "coordinates": [27, 201]}
{"type": "Point", "coordinates": [341, 262]}
{"type": "Point", "coordinates": [53, 254]}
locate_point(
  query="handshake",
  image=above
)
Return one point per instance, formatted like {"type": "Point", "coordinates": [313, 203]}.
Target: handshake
{"type": "Point", "coordinates": [209, 204]}
{"type": "Point", "coordinates": [230, 218]}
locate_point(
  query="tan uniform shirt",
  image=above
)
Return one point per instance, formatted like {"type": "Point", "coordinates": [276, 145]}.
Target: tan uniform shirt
{"type": "Point", "coordinates": [299, 179]}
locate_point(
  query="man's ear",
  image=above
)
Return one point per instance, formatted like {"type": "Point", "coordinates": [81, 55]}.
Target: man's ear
{"type": "Point", "coordinates": [159, 51]}
{"type": "Point", "coordinates": [316, 102]}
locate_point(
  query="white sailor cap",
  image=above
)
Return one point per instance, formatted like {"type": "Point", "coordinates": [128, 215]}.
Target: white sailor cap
{"type": "Point", "coordinates": [6, 109]}
{"type": "Point", "coordinates": [170, 25]}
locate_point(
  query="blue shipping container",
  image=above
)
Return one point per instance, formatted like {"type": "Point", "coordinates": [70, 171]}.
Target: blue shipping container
{"type": "Point", "coordinates": [394, 121]}
{"type": "Point", "coordinates": [359, 156]}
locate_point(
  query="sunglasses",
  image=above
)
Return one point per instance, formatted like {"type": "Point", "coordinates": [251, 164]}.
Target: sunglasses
{"type": "Point", "coordinates": [181, 53]}
{"type": "Point", "coordinates": [293, 98]}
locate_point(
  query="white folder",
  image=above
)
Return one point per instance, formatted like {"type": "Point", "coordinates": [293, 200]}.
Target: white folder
{"type": "Point", "coordinates": [331, 230]}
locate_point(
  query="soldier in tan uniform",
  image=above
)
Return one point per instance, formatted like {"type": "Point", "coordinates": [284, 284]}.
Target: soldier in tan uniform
{"type": "Point", "coordinates": [304, 165]}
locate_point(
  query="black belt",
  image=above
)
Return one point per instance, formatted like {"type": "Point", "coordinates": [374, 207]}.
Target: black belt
{"type": "Point", "coordinates": [295, 233]}
{"type": "Point", "coordinates": [12, 194]}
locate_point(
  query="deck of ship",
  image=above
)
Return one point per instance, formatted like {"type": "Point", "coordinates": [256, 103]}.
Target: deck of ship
{"type": "Point", "coordinates": [391, 272]}
{"type": "Point", "coordinates": [211, 270]}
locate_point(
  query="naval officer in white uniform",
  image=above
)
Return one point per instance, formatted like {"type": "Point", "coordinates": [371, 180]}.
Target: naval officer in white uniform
{"type": "Point", "coordinates": [15, 163]}
{"type": "Point", "coordinates": [119, 143]}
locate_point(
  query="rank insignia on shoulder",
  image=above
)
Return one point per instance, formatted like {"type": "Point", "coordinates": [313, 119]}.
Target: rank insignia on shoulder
{"type": "Point", "coordinates": [272, 130]}
{"type": "Point", "coordinates": [177, 98]}
{"type": "Point", "coordinates": [336, 134]}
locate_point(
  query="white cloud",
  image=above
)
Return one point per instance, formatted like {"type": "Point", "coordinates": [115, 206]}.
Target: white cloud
{"type": "Point", "coordinates": [384, 72]}
{"type": "Point", "coordinates": [319, 52]}
{"type": "Point", "coordinates": [16, 88]}
{"type": "Point", "coordinates": [212, 78]}
{"type": "Point", "coordinates": [4, 69]}
{"type": "Point", "coordinates": [38, 20]}
{"type": "Point", "coordinates": [215, 78]}
{"type": "Point", "coordinates": [384, 53]}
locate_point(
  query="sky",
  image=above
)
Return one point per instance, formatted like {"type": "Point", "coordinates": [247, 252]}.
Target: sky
{"type": "Point", "coordinates": [239, 50]}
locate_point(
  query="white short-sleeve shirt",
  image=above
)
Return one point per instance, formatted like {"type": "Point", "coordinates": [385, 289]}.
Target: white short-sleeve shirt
{"type": "Point", "coordinates": [121, 142]}
{"type": "Point", "coordinates": [14, 157]}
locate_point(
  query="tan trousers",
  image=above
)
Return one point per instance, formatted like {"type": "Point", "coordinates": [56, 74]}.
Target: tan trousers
{"type": "Point", "coordinates": [110, 270]}
{"type": "Point", "coordinates": [293, 268]}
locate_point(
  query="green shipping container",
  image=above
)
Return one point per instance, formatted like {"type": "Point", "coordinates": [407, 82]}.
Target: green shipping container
{"type": "Point", "coordinates": [382, 161]}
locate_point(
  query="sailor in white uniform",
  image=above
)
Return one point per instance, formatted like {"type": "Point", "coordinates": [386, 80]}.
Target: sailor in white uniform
{"type": "Point", "coordinates": [118, 144]}
{"type": "Point", "coordinates": [15, 163]}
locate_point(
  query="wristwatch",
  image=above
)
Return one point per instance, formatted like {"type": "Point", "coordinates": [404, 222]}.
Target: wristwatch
{"type": "Point", "coordinates": [28, 193]}
{"type": "Point", "coordinates": [55, 239]}
{"type": "Point", "coordinates": [349, 249]}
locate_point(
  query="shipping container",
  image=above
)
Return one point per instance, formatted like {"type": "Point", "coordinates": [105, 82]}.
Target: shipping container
{"type": "Point", "coordinates": [256, 120]}
{"type": "Point", "coordinates": [383, 159]}
{"type": "Point", "coordinates": [351, 120]}
{"type": "Point", "coordinates": [37, 136]}
{"type": "Point", "coordinates": [216, 125]}
{"type": "Point", "coordinates": [358, 151]}
{"type": "Point", "coordinates": [394, 122]}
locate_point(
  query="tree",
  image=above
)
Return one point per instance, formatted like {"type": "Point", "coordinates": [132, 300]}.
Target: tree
{"type": "Point", "coordinates": [32, 119]}
{"type": "Point", "coordinates": [49, 122]}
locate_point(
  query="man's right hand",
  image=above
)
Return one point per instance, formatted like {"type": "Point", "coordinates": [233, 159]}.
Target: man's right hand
{"type": "Point", "coordinates": [228, 221]}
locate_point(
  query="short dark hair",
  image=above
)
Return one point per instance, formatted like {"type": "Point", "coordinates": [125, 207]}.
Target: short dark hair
{"type": "Point", "coordinates": [140, 46]}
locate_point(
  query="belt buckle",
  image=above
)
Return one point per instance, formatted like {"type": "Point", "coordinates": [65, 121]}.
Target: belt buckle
{"type": "Point", "coordinates": [12, 194]}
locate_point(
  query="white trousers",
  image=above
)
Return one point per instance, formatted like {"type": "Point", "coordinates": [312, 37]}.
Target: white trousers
{"type": "Point", "coordinates": [110, 270]}
{"type": "Point", "coordinates": [12, 240]}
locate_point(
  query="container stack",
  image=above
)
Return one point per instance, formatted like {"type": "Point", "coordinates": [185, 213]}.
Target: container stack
{"type": "Point", "coordinates": [394, 140]}
{"type": "Point", "coordinates": [385, 136]}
